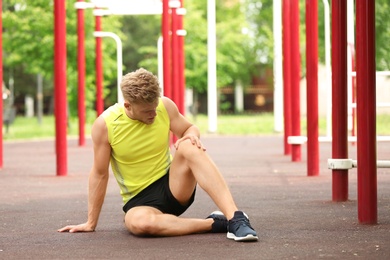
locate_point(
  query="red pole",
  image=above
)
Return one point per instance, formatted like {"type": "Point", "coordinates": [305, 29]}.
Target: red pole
{"type": "Point", "coordinates": [99, 68]}
{"type": "Point", "coordinates": [81, 73]}
{"type": "Point", "coordinates": [312, 87]}
{"type": "Point", "coordinates": [175, 57]}
{"type": "Point", "coordinates": [366, 111]}
{"type": "Point", "coordinates": [166, 49]}
{"type": "Point", "coordinates": [339, 98]}
{"type": "Point", "coordinates": [182, 82]}
{"type": "Point", "coordinates": [295, 79]}
{"type": "Point", "coordinates": [1, 77]}
{"type": "Point", "coordinates": [353, 91]}
{"type": "Point", "coordinates": [175, 78]}
{"type": "Point", "coordinates": [60, 86]}
{"type": "Point", "coordinates": [286, 12]}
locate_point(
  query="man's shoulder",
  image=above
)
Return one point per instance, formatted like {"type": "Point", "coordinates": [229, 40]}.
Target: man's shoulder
{"type": "Point", "coordinates": [113, 111]}
{"type": "Point", "coordinates": [166, 101]}
{"type": "Point", "coordinates": [169, 105]}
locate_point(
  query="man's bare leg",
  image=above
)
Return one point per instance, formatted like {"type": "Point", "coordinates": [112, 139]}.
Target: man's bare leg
{"type": "Point", "coordinates": [192, 165]}
{"type": "Point", "coordinates": [143, 220]}
{"type": "Point", "coordinates": [189, 167]}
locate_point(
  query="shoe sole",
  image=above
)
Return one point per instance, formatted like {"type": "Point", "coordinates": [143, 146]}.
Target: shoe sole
{"type": "Point", "coordinates": [217, 212]}
{"type": "Point", "coordinates": [242, 239]}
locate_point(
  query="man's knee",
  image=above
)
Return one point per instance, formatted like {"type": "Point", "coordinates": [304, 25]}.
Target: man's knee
{"type": "Point", "coordinates": [189, 150]}
{"type": "Point", "coordinates": [141, 224]}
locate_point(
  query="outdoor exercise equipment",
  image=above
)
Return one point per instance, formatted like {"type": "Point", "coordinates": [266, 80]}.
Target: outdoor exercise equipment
{"type": "Point", "coordinates": [60, 95]}
{"type": "Point", "coordinates": [1, 77]}
{"type": "Point", "coordinates": [312, 87]}
{"type": "Point", "coordinates": [291, 76]}
{"type": "Point", "coordinates": [366, 139]}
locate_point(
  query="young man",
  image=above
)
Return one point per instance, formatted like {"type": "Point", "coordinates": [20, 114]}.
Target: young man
{"type": "Point", "coordinates": [156, 187]}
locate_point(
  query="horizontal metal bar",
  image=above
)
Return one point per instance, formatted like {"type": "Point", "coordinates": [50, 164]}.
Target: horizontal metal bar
{"type": "Point", "coordinates": [346, 164]}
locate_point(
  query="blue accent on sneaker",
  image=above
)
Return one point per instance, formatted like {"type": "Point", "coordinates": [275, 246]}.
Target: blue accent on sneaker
{"type": "Point", "coordinates": [220, 222]}
{"type": "Point", "coordinates": [240, 229]}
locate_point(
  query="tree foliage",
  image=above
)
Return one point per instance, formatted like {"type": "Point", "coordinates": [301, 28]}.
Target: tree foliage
{"type": "Point", "coordinates": [259, 14]}
{"type": "Point", "coordinates": [234, 58]}
{"type": "Point", "coordinates": [382, 37]}
{"type": "Point", "coordinates": [28, 47]}
{"type": "Point", "coordinates": [244, 44]}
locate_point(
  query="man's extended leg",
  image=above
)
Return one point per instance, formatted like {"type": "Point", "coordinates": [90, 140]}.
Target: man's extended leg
{"type": "Point", "coordinates": [143, 220]}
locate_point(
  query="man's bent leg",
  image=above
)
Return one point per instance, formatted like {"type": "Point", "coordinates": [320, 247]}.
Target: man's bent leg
{"type": "Point", "coordinates": [192, 165]}
{"type": "Point", "coordinates": [149, 221]}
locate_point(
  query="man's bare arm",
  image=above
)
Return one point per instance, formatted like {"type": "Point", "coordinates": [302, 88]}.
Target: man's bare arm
{"type": "Point", "coordinates": [181, 127]}
{"type": "Point", "coordinates": [98, 178]}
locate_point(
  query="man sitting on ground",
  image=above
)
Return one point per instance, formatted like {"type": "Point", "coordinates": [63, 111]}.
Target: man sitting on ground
{"type": "Point", "coordinates": [156, 187]}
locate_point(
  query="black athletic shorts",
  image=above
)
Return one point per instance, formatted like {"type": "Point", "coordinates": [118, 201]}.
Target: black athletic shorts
{"type": "Point", "coordinates": [159, 196]}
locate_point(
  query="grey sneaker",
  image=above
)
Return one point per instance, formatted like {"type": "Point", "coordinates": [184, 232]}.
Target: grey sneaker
{"type": "Point", "coordinates": [240, 229]}
{"type": "Point", "coordinates": [220, 222]}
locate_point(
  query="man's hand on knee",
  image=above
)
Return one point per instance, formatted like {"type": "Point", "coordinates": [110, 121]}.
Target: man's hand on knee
{"type": "Point", "coordinates": [195, 140]}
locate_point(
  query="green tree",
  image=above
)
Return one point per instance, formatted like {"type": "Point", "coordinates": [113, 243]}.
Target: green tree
{"type": "Point", "coordinates": [236, 44]}
{"type": "Point", "coordinates": [244, 44]}
{"type": "Point", "coordinates": [234, 48]}
{"type": "Point", "coordinates": [142, 32]}
{"type": "Point", "coordinates": [260, 13]}
{"type": "Point", "coordinates": [28, 45]}
{"type": "Point", "coordinates": [382, 37]}
{"type": "Point", "coordinates": [260, 17]}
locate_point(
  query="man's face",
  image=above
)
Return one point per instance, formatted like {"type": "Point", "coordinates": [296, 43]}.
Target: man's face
{"type": "Point", "coordinates": [143, 112]}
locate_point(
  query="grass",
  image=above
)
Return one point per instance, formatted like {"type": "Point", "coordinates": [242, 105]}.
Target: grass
{"type": "Point", "coordinates": [238, 124]}
{"type": "Point", "coordinates": [30, 128]}
{"type": "Point", "coordinates": [246, 124]}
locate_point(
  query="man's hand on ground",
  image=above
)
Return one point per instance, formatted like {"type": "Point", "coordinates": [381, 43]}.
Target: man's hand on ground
{"type": "Point", "coordinates": [77, 228]}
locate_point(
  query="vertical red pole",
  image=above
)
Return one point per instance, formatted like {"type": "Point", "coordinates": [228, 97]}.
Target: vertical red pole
{"type": "Point", "coordinates": [99, 68]}
{"type": "Point", "coordinates": [1, 78]}
{"type": "Point", "coordinates": [286, 73]}
{"type": "Point", "coordinates": [366, 112]}
{"type": "Point", "coordinates": [175, 91]}
{"type": "Point", "coordinates": [339, 98]}
{"type": "Point", "coordinates": [166, 49]}
{"type": "Point", "coordinates": [81, 73]}
{"type": "Point", "coordinates": [175, 56]}
{"type": "Point", "coordinates": [312, 87]}
{"type": "Point", "coordinates": [353, 91]}
{"type": "Point", "coordinates": [60, 86]}
{"type": "Point", "coordinates": [182, 82]}
{"type": "Point", "coordinates": [295, 79]}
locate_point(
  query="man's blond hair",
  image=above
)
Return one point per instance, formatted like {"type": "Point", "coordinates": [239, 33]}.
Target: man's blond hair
{"type": "Point", "coordinates": [140, 86]}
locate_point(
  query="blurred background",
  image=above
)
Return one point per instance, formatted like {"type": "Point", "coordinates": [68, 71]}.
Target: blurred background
{"type": "Point", "coordinates": [245, 55]}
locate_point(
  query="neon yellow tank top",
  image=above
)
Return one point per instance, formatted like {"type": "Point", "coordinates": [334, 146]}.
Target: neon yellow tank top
{"type": "Point", "coordinates": [140, 153]}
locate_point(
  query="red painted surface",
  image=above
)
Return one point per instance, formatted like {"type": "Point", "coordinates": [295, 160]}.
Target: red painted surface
{"type": "Point", "coordinates": [81, 74]}
{"type": "Point", "coordinates": [286, 10]}
{"type": "Point", "coordinates": [295, 79]}
{"type": "Point", "coordinates": [312, 87]}
{"type": "Point", "coordinates": [99, 67]}
{"type": "Point", "coordinates": [166, 49]}
{"type": "Point", "coordinates": [175, 56]}
{"type": "Point", "coordinates": [60, 86]}
{"type": "Point", "coordinates": [1, 77]}
{"type": "Point", "coordinates": [366, 112]}
{"type": "Point", "coordinates": [182, 79]}
{"type": "Point", "coordinates": [339, 98]}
